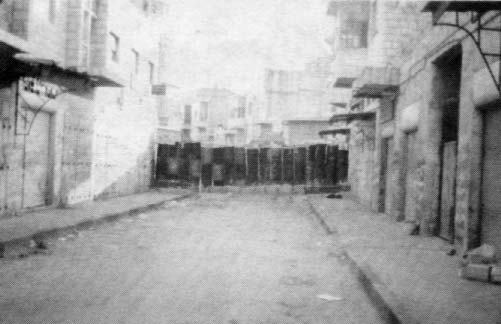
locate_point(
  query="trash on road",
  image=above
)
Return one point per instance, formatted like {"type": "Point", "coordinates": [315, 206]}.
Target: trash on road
{"type": "Point", "coordinates": [328, 297]}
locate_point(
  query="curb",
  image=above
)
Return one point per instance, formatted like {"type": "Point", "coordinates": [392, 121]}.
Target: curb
{"type": "Point", "coordinates": [22, 243]}
{"type": "Point", "coordinates": [380, 296]}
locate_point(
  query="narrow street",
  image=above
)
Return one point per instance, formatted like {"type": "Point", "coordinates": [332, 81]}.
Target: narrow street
{"type": "Point", "coordinates": [221, 258]}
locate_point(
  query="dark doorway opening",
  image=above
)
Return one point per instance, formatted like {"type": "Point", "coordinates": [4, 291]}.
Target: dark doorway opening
{"type": "Point", "coordinates": [384, 174]}
{"type": "Point", "coordinates": [447, 93]}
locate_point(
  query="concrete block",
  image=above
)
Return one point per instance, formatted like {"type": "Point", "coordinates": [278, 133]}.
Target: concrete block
{"type": "Point", "coordinates": [484, 254]}
{"type": "Point", "coordinates": [480, 272]}
{"type": "Point", "coordinates": [496, 274]}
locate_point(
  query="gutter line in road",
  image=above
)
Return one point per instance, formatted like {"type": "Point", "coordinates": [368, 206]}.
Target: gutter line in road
{"type": "Point", "coordinates": [379, 295]}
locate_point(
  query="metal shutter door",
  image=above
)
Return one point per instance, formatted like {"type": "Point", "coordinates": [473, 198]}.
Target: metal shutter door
{"type": "Point", "coordinates": [37, 162]}
{"type": "Point", "coordinates": [491, 184]}
{"type": "Point", "coordinates": [410, 182]}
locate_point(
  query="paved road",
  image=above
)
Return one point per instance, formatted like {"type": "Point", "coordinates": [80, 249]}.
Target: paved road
{"type": "Point", "coordinates": [219, 259]}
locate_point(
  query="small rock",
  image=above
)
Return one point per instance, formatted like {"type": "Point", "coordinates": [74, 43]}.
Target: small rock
{"type": "Point", "coordinates": [32, 244]}
{"type": "Point", "coordinates": [451, 252]}
{"type": "Point", "coordinates": [496, 274]}
{"type": "Point", "coordinates": [335, 196]}
{"type": "Point", "coordinates": [480, 272]}
{"type": "Point", "coordinates": [412, 228]}
{"type": "Point", "coordinates": [42, 245]}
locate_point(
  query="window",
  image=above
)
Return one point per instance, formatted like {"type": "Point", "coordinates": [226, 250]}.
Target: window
{"type": "Point", "coordinates": [115, 47]}
{"type": "Point", "coordinates": [151, 72]}
{"type": "Point", "coordinates": [94, 6]}
{"type": "Point", "coordinates": [146, 6]}
{"type": "Point", "coordinates": [88, 26]}
{"type": "Point", "coordinates": [86, 39]}
{"type": "Point", "coordinates": [52, 11]}
{"type": "Point", "coordinates": [135, 57]}
{"type": "Point", "coordinates": [187, 114]}
{"type": "Point", "coordinates": [354, 34]}
{"type": "Point", "coordinates": [204, 110]}
{"type": "Point", "coordinates": [241, 112]}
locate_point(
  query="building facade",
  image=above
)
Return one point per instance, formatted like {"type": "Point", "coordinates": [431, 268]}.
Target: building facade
{"type": "Point", "coordinates": [75, 79]}
{"type": "Point", "coordinates": [298, 102]}
{"type": "Point", "coordinates": [430, 95]}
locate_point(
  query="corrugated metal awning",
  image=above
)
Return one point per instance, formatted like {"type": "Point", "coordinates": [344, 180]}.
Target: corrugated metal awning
{"type": "Point", "coordinates": [341, 131]}
{"type": "Point", "coordinates": [365, 115]}
{"type": "Point", "coordinates": [439, 8]}
{"type": "Point", "coordinates": [375, 91]}
{"type": "Point", "coordinates": [339, 104]}
{"type": "Point", "coordinates": [344, 82]}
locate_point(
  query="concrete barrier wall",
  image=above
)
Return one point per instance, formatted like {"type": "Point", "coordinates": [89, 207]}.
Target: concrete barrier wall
{"type": "Point", "coordinates": [186, 164]}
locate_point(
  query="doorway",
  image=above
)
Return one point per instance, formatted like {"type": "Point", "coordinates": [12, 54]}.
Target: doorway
{"type": "Point", "coordinates": [448, 72]}
{"type": "Point", "coordinates": [491, 186]}
{"type": "Point", "coordinates": [37, 161]}
{"type": "Point", "coordinates": [410, 163]}
{"type": "Point", "coordinates": [384, 175]}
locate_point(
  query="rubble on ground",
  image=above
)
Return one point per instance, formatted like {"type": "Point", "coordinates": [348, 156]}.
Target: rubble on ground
{"type": "Point", "coordinates": [480, 264]}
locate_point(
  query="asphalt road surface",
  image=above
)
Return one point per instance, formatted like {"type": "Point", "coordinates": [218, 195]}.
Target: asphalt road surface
{"type": "Point", "coordinates": [221, 258]}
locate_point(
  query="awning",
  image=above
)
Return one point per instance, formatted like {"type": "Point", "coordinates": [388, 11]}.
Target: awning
{"type": "Point", "coordinates": [374, 82]}
{"type": "Point", "coordinates": [27, 62]}
{"type": "Point", "coordinates": [340, 131]}
{"type": "Point", "coordinates": [339, 104]}
{"type": "Point", "coordinates": [365, 115]}
{"type": "Point", "coordinates": [439, 8]}
{"type": "Point", "coordinates": [478, 27]}
{"type": "Point", "coordinates": [344, 82]}
{"type": "Point", "coordinates": [375, 91]}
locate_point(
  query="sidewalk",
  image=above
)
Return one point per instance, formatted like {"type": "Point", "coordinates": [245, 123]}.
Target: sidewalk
{"type": "Point", "coordinates": [411, 275]}
{"type": "Point", "coordinates": [17, 232]}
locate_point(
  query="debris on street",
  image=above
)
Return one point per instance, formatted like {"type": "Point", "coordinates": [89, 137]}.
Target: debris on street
{"type": "Point", "coordinates": [328, 297]}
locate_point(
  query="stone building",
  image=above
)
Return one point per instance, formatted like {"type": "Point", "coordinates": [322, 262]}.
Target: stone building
{"type": "Point", "coordinates": [169, 107]}
{"type": "Point", "coordinates": [429, 96]}
{"type": "Point", "coordinates": [297, 102]}
{"type": "Point", "coordinates": [75, 80]}
{"type": "Point", "coordinates": [210, 112]}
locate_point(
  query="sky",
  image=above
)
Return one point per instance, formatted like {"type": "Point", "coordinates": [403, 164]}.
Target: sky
{"type": "Point", "coordinates": [229, 43]}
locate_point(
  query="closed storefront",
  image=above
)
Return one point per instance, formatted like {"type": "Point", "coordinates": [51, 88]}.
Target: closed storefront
{"type": "Point", "coordinates": [491, 180]}
{"type": "Point", "coordinates": [410, 178]}
{"type": "Point", "coordinates": [385, 175]}
{"type": "Point", "coordinates": [37, 162]}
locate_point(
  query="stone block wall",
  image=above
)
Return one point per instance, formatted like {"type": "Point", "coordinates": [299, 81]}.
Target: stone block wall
{"type": "Point", "coordinates": [124, 143]}
{"type": "Point", "coordinates": [361, 165]}
{"type": "Point", "coordinates": [419, 84]}
{"type": "Point", "coordinates": [48, 38]}
{"type": "Point", "coordinates": [99, 142]}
